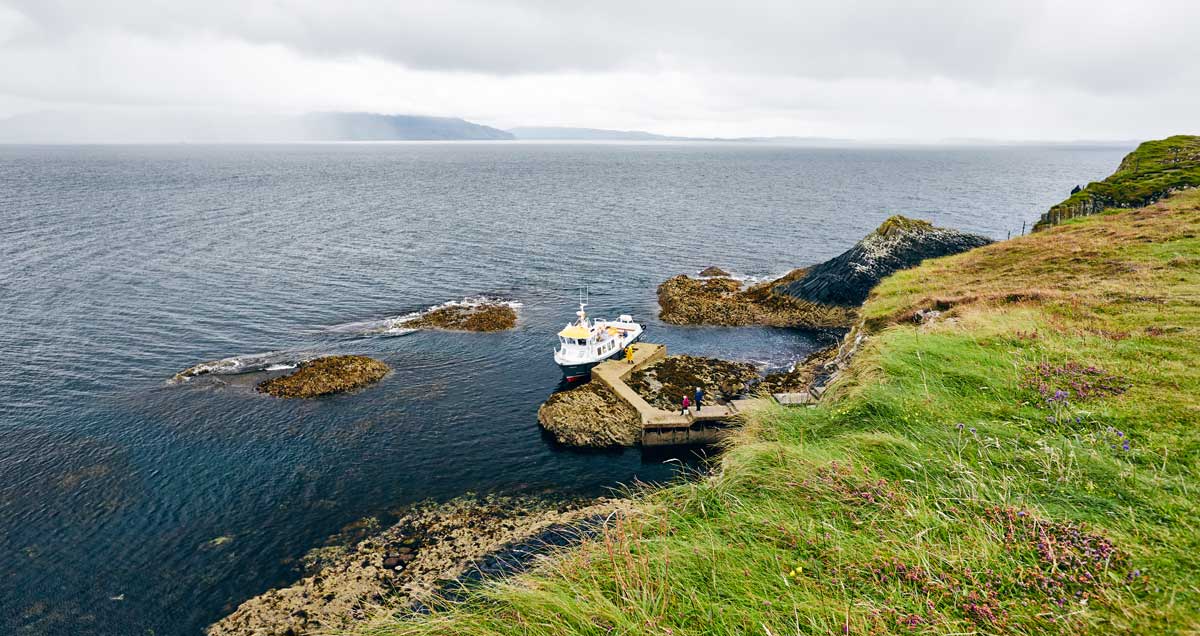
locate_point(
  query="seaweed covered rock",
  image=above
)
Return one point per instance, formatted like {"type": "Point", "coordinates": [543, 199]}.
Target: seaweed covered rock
{"type": "Point", "coordinates": [324, 376]}
{"type": "Point", "coordinates": [590, 416]}
{"type": "Point", "coordinates": [722, 301]}
{"type": "Point", "coordinates": [899, 243]}
{"type": "Point", "coordinates": [429, 552]}
{"type": "Point", "coordinates": [472, 317]}
{"type": "Point", "coordinates": [664, 383]}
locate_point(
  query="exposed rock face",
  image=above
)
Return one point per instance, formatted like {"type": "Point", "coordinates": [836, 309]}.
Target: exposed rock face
{"type": "Point", "coordinates": [408, 563]}
{"type": "Point", "coordinates": [713, 271]}
{"type": "Point", "coordinates": [324, 376]}
{"type": "Point", "coordinates": [663, 384]}
{"type": "Point", "coordinates": [590, 416]}
{"type": "Point", "coordinates": [899, 243]}
{"type": "Point", "coordinates": [480, 317]}
{"type": "Point", "coordinates": [823, 296]}
{"type": "Point", "coordinates": [802, 377]}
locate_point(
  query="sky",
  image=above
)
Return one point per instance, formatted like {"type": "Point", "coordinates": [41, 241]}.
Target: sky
{"type": "Point", "coordinates": [868, 70]}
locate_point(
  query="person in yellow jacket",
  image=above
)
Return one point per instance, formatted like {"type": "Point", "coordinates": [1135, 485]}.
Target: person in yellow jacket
{"type": "Point", "coordinates": [629, 354]}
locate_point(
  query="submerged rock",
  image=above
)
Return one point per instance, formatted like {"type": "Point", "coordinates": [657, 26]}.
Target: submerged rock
{"type": "Point", "coordinates": [477, 317]}
{"type": "Point", "coordinates": [324, 376]}
{"type": "Point", "coordinates": [590, 416]}
{"type": "Point", "coordinates": [663, 384]}
{"type": "Point", "coordinates": [826, 295]}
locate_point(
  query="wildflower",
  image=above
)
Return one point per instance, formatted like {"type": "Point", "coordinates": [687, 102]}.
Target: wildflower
{"type": "Point", "coordinates": [972, 430]}
{"type": "Point", "coordinates": [959, 426]}
{"type": "Point", "coordinates": [1125, 446]}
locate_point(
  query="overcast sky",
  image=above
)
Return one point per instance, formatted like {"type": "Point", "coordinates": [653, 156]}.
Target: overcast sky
{"type": "Point", "coordinates": [1002, 69]}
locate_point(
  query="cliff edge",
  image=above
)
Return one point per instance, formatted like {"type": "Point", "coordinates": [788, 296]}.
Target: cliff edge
{"type": "Point", "coordinates": [1155, 170]}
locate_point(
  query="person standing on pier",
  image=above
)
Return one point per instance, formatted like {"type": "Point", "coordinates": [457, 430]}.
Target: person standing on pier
{"type": "Point", "coordinates": [699, 398]}
{"type": "Point", "coordinates": [686, 404]}
{"type": "Point", "coordinates": [629, 354]}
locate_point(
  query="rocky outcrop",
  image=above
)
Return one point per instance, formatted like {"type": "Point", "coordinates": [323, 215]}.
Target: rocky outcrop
{"type": "Point", "coordinates": [713, 271]}
{"type": "Point", "coordinates": [325, 376]}
{"type": "Point", "coordinates": [590, 416]}
{"type": "Point", "coordinates": [722, 301]}
{"type": "Point", "coordinates": [826, 295]}
{"type": "Point", "coordinates": [899, 243]}
{"type": "Point", "coordinates": [410, 562]}
{"type": "Point", "coordinates": [467, 317]}
{"type": "Point", "coordinates": [1155, 170]}
{"type": "Point", "coordinates": [664, 383]}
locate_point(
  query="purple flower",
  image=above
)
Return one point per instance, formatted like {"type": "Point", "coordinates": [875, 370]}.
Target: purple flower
{"type": "Point", "coordinates": [972, 430]}
{"type": "Point", "coordinates": [959, 426]}
{"type": "Point", "coordinates": [1125, 446]}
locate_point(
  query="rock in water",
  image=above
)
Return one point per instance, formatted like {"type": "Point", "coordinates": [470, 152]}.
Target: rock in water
{"type": "Point", "coordinates": [481, 317]}
{"type": "Point", "coordinates": [712, 271]}
{"type": "Point", "coordinates": [324, 376]}
{"type": "Point", "coordinates": [899, 243]}
{"type": "Point", "coordinates": [590, 416]}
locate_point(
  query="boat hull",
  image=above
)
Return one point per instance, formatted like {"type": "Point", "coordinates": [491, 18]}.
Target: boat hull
{"type": "Point", "coordinates": [577, 372]}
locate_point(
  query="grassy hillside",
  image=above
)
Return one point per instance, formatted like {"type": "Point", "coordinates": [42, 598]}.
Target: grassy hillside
{"type": "Point", "coordinates": [1026, 463]}
{"type": "Point", "coordinates": [1152, 171]}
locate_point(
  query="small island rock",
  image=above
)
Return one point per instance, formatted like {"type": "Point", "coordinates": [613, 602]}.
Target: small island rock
{"type": "Point", "coordinates": [325, 376]}
{"type": "Point", "coordinates": [481, 317]}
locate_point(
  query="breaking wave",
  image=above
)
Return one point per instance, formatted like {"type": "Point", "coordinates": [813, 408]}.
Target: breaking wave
{"type": "Point", "coordinates": [270, 361]}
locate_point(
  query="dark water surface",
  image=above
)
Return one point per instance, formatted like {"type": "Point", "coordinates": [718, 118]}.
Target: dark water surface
{"type": "Point", "coordinates": [120, 266]}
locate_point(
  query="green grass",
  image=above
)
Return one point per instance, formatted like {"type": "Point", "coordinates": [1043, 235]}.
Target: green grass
{"type": "Point", "coordinates": [935, 489]}
{"type": "Point", "coordinates": [1145, 175]}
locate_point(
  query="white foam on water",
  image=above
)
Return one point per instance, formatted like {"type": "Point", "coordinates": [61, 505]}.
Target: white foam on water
{"type": "Point", "coordinates": [249, 363]}
{"type": "Point", "coordinates": [395, 326]}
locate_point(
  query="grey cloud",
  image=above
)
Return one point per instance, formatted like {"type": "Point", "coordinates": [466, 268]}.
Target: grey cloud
{"type": "Point", "coordinates": [979, 42]}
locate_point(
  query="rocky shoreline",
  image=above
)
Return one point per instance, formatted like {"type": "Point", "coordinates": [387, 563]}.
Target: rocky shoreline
{"type": "Point", "coordinates": [664, 383]}
{"type": "Point", "coordinates": [826, 295]}
{"type": "Point", "coordinates": [590, 416]}
{"type": "Point", "coordinates": [430, 551]}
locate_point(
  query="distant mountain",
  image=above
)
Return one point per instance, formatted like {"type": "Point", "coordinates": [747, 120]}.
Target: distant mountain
{"type": "Point", "coordinates": [562, 133]}
{"type": "Point", "coordinates": [123, 126]}
{"type": "Point", "coordinates": [372, 127]}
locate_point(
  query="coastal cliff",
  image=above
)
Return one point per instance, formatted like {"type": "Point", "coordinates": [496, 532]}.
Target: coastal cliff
{"type": "Point", "coordinates": [1154, 170]}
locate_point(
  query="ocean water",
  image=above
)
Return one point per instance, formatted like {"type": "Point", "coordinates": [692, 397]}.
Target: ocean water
{"type": "Point", "coordinates": [122, 265]}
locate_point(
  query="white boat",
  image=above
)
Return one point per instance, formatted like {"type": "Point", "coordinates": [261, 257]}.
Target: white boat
{"type": "Point", "coordinates": [585, 343]}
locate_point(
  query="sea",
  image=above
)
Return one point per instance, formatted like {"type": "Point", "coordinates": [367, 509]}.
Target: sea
{"type": "Point", "coordinates": [134, 505]}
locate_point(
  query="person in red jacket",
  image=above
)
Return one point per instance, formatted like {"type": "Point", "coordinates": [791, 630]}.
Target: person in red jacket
{"type": "Point", "coordinates": [686, 403]}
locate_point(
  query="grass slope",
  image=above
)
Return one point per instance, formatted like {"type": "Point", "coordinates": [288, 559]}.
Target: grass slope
{"type": "Point", "coordinates": [944, 485]}
{"type": "Point", "coordinates": [1152, 171]}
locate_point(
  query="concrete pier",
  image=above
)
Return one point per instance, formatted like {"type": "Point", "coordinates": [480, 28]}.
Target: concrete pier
{"type": "Point", "coordinates": [660, 427]}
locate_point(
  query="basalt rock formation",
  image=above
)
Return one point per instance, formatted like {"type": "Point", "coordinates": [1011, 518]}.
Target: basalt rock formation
{"type": "Point", "coordinates": [590, 416]}
{"type": "Point", "coordinates": [324, 376]}
{"type": "Point", "coordinates": [479, 317]}
{"type": "Point", "coordinates": [899, 243]}
{"type": "Point", "coordinates": [1155, 170]}
{"type": "Point", "coordinates": [826, 295]}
